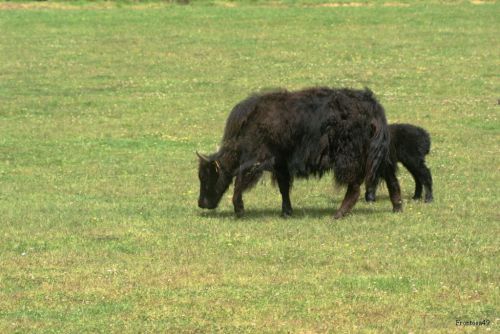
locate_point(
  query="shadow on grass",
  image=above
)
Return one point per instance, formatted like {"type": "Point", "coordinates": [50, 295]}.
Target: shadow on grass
{"type": "Point", "coordinates": [408, 198]}
{"type": "Point", "coordinates": [298, 213]}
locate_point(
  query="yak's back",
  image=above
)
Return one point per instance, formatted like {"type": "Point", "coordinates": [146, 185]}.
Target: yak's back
{"type": "Point", "coordinates": [308, 105]}
{"type": "Point", "coordinates": [246, 109]}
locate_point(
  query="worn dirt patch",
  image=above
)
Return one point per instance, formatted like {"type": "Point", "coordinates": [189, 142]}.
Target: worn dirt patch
{"type": "Point", "coordinates": [482, 2]}
{"type": "Point", "coordinates": [396, 4]}
{"type": "Point", "coordinates": [110, 5]}
{"type": "Point", "coordinates": [67, 6]}
{"type": "Point", "coordinates": [50, 5]}
{"type": "Point", "coordinates": [360, 4]}
{"type": "Point", "coordinates": [346, 4]}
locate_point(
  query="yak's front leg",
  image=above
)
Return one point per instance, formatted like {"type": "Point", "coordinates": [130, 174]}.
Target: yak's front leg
{"type": "Point", "coordinates": [244, 180]}
{"type": "Point", "coordinates": [350, 198]}
{"type": "Point", "coordinates": [284, 180]}
{"type": "Point", "coordinates": [239, 208]}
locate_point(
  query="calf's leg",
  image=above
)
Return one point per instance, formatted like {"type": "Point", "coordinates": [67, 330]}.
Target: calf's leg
{"type": "Point", "coordinates": [427, 182]}
{"type": "Point", "coordinates": [423, 179]}
{"type": "Point", "coordinates": [418, 190]}
{"type": "Point", "coordinates": [371, 190]}
{"type": "Point", "coordinates": [413, 168]}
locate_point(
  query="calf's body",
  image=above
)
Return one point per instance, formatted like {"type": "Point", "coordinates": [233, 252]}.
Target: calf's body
{"type": "Point", "coordinates": [409, 144]}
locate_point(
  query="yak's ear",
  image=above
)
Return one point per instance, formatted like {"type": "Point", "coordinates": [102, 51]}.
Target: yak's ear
{"type": "Point", "coordinates": [202, 157]}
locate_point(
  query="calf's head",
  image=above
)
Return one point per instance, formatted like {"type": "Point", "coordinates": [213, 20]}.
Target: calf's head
{"type": "Point", "coordinates": [214, 181]}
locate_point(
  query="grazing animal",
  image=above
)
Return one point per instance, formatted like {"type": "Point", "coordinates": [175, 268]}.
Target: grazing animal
{"type": "Point", "coordinates": [299, 134]}
{"type": "Point", "coordinates": [409, 145]}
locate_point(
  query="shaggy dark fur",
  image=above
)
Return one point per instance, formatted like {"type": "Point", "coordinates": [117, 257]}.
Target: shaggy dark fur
{"type": "Point", "coordinates": [298, 134]}
{"type": "Point", "coordinates": [409, 145]}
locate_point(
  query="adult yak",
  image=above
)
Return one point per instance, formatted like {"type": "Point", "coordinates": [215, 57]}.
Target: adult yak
{"type": "Point", "coordinates": [298, 134]}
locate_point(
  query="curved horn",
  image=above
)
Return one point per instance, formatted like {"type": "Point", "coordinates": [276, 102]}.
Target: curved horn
{"type": "Point", "coordinates": [202, 157]}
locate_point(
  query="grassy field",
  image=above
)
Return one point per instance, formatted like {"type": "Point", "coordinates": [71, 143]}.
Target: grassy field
{"type": "Point", "coordinates": [103, 105]}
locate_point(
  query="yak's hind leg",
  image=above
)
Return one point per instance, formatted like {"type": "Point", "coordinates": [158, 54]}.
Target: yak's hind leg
{"type": "Point", "coordinates": [350, 198]}
{"type": "Point", "coordinates": [394, 189]}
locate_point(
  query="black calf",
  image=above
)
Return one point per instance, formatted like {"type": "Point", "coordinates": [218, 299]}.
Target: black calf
{"type": "Point", "coordinates": [409, 145]}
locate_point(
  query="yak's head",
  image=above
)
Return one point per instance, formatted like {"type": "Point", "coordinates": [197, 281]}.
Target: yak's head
{"type": "Point", "coordinates": [214, 181]}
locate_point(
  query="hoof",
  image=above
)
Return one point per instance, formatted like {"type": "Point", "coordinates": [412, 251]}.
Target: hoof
{"type": "Point", "coordinates": [286, 213]}
{"type": "Point", "coordinates": [338, 215]}
{"type": "Point", "coordinates": [369, 197]}
{"type": "Point", "coordinates": [416, 198]}
{"type": "Point", "coordinates": [239, 213]}
{"type": "Point", "coordinates": [429, 200]}
{"type": "Point", "coordinates": [397, 208]}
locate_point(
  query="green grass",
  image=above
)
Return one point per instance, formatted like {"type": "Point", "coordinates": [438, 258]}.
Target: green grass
{"type": "Point", "coordinates": [102, 106]}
